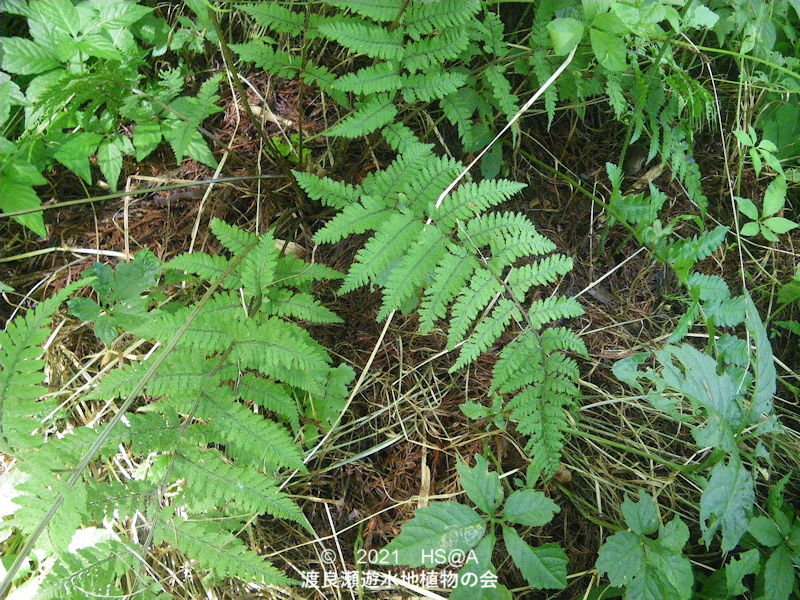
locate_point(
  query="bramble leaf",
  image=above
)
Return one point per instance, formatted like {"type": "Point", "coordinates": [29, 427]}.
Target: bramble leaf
{"type": "Point", "coordinates": [482, 487]}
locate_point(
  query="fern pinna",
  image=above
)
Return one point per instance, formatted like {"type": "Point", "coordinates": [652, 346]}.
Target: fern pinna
{"type": "Point", "coordinates": [415, 52]}
{"type": "Point", "coordinates": [219, 418]}
{"type": "Point", "coordinates": [479, 265]}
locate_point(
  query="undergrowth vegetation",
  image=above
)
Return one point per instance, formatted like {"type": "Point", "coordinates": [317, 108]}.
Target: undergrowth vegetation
{"type": "Point", "coordinates": [205, 434]}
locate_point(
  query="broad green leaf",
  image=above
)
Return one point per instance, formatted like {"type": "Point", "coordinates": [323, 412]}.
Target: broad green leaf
{"type": "Point", "coordinates": [750, 229]}
{"type": "Point", "coordinates": [442, 527]}
{"type": "Point", "coordinates": [109, 159]}
{"type": "Point", "coordinates": [565, 34]}
{"type": "Point", "coordinates": [544, 567]}
{"type": "Point", "coordinates": [641, 516]}
{"type": "Point", "coordinates": [84, 308]}
{"type": "Point", "coordinates": [146, 138]}
{"type": "Point", "coordinates": [650, 569]}
{"type": "Point", "coordinates": [779, 224]}
{"type": "Point", "coordinates": [24, 57]}
{"type": "Point", "coordinates": [779, 574]}
{"type": "Point", "coordinates": [482, 487]}
{"type": "Point", "coordinates": [774, 197]}
{"type": "Point", "coordinates": [75, 152]}
{"type": "Point", "coordinates": [726, 503]}
{"type": "Point", "coordinates": [473, 410]}
{"type": "Point", "coordinates": [530, 507]}
{"type": "Point", "coordinates": [765, 531]}
{"type": "Point", "coordinates": [105, 329]}
{"type": "Point", "coordinates": [745, 565]}
{"type": "Point", "coordinates": [744, 138]}
{"type": "Point", "coordinates": [609, 49]}
{"type": "Point", "coordinates": [59, 14]}
{"type": "Point", "coordinates": [621, 558]}
{"type": "Point", "coordinates": [747, 207]}
{"type": "Point", "coordinates": [701, 17]}
{"type": "Point", "coordinates": [627, 369]}
{"type": "Point", "coordinates": [478, 575]}
{"type": "Point", "coordinates": [757, 162]}
{"type": "Point", "coordinates": [764, 367]}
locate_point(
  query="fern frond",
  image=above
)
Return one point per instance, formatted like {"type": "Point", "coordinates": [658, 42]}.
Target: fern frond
{"type": "Point", "coordinates": [501, 90]}
{"type": "Point", "coordinates": [552, 309]}
{"type": "Point", "coordinates": [540, 415]}
{"type": "Point", "coordinates": [487, 332]}
{"type": "Point", "coordinates": [424, 87]}
{"type": "Point", "coordinates": [324, 80]}
{"type": "Point", "coordinates": [405, 279]}
{"type": "Point", "coordinates": [380, 77]}
{"type": "Point", "coordinates": [683, 255]}
{"type": "Point", "coordinates": [284, 303]}
{"type": "Point", "coordinates": [269, 395]}
{"type": "Point", "coordinates": [234, 239]}
{"type": "Point", "coordinates": [370, 213]}
{"type": "Point", "coordinates": [521, 363]}
{"type": "Point", "coordinates": [398, 177]}
{"type": "Point", "coordinates": [449, 278]}
{"type": "Point", "coordinates": [377, 10]}
{"type": "Point", "coordinates": [281, 64]}
{"type": "Point", "coordinates": [295, 273]}
{"type": "Point", "coordinates": [218, 551]}
{"type": "Point", "coordinates": [422, 191]}
{"type": "Point", "coordinates": [276, 17]}
{"type": "Point", "coordinates": [395, 237]}
{"type": "Point", "coordinates": [22, 372]}
{"type": "Point", "coordinates": [248, 436]}
{"type": "Point", "coordinates": [204, 266]}
{"type": "Point", "coordinates": [472, 199]}
{"type": "Point", "coordinates": [370, 115]}
{"type": "Point", "coordinates": [541, 272]}
{"type": "Point", "coordinates": [212, 481]}
{"type": "Point", "coordinates": [460, 106]}
{"type": "Point", "coordinates": [561, 338]}
{"type": "Point", "coordinates": [402, 140]}
{"type": "Point", "coordinates": [482, 289]}
{"type": "Point", "coordinates": [258, 267]}
{"type": "Point", "coordinates": [364, 38]}
{"type": "Point", "coordinates": [498, 230]}
{"type": "Point", "coordinates": [424, 17]}
{"type": "Point", "coordinates": [433, 51]}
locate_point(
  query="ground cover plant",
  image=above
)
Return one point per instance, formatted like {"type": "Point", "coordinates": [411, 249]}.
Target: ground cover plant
{"type": "Point", "coordinates": [429, 298]}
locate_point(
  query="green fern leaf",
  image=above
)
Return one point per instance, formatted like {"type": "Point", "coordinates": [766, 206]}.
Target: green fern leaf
{"type": "Point", "coordinates": [487, 332]}
{"type": "Point", "coordinates": [364, 38]}
{"type": "Point", "coordinates": [425, 17]}
{"type": "Point", "coordinates": [370, 115]}
{"type": "Point", "coordinates": [541, 272]}
{"type": "Point", "coordinates": [425, 87]}
{"type": "Point", "coordinates": [449, 278]}
{"type": "Point", "coordinates": [682, 256]}
{"type": "Point", "coordinates": [269, 395]}
{"type": "Point", "coordinates": [483, 288]}
{"type": "Point", "coordinates": [405, 279]}
{"type": "Point", "coordinates": [218, 551]}
{"type": "Point", "coordinates": [552, 309]}
{"type": "Point", "coordinates": [501, 90]}
{"type": "Point", "coordinates": [401, 177]}
{"type": "Point", "coordinates": [284, 303]}
{"type": "Point", "coordinates": [234, 239]}
{"type": "Point", "coordinates": [295, 273]}
{"type": "Point", "coordinates": [471, 199]}
{"type": "Point", "coordinates": [498, 230]}
{"type": "Point", "coordinates": [402, 140]}
{"type": "Point", "coordinates": [561, 338]}
{"type": "Point", "coordinates": [433, 51]}
{"type": "Point", "coordinates": [380, 77]}
{"type": "Point", "coordinates": [370, 213]}
{"type": "Point", "coordinates": [275, 17]}
{"type": "Point", "coordinates": [391, 240]}
{"type": "Point", "coordinates": [204, 266]}
{"type": "Point", "coordinates": [211, 481]}
{"type": "Point", "coordinates": [248, 436]}
{"type": "Point", "coordinates": [521, 363]}
{"type": "Point", "coordinates": [258, 267]}
{"type": "Point", "coordinates": [460, 106]}
{"type": "Point", "coordinates": [22, 372]}
{"type": "Point", "coordinates": [422, 191]}
{"type": "Point", "coordinates": [377, 10]}
{"type": "Point", "coordinates": [264, 56]}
